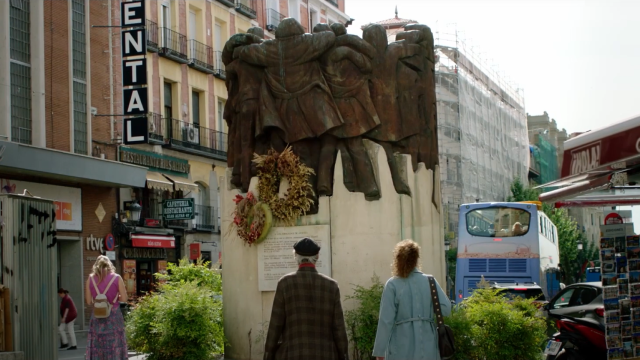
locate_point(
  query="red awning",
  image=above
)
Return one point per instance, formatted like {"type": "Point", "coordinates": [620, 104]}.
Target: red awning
{"type": "Point", "coordinates": [153, 241]}
{"type": "Point", "coordinates": [591, 159]}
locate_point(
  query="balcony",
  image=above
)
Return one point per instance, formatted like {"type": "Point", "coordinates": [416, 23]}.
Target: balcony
{"type": "Point", "coordinates": [247, 8]}
{"type": "Point", "coordinates": [152, 36]}
{"type": "Point", "coordinates": [333, 2]}
{"type": "Point", "coordinates": [227, 3]}
{"type": "Point", "coordinates": [206, 218]}
{"type": "Point", "coordinates": [218, 66]}
{"type": "Point", "coordinates": [201, 56]}
{"type": "Point", "coordinates": [173, 45]}
{"type": "Point", "coordinates": [273, 19]}
{"type": "Point", "coordinates": [157, 129]}
{"type": "Point", "coordinates": [196, 139]}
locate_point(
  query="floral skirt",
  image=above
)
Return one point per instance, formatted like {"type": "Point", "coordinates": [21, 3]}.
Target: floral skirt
{"type": "Point", "coordinates": [106, 339]}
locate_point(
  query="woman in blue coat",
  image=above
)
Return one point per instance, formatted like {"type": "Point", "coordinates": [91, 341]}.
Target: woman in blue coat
{"type": "Point", "coordinates": [406, 329]}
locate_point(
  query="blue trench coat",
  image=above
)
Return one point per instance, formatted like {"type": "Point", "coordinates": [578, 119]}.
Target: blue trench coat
{"type": "Point", "coordinates": [406, 330]}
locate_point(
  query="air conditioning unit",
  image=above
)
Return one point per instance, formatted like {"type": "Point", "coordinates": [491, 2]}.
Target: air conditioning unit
{"type": "Point", "coordinates": [193, 135]}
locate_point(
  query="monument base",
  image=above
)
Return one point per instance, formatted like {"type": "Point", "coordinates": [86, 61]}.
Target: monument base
{"type": "Point", "coordinates": [362, 235]}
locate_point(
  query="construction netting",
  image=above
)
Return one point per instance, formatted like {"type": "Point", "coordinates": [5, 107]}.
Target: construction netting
{"type": "Point", "coordinates": [545, 157]}
{"type": "Point", "coordinates": [482, 133]}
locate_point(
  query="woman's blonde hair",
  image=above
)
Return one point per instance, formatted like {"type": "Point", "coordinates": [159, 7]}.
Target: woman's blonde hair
{"type": "Point", "coordinates": [405, 258]}
{"type": "Point", "coordinates": [102, 267]}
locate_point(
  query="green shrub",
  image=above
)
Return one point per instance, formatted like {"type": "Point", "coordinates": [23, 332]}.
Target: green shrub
{"type": "Point", "coordinates": [187, 272]}
{"type": "Point", "coordinates": [461, 326]}
{"type": "Point", "coordinates": [181, 321]}
{"type": "Point", "coordinates": [362, 322]}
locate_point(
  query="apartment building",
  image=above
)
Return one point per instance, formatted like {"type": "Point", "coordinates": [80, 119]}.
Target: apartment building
{"type": "Point", "coordinates": [54, 142]}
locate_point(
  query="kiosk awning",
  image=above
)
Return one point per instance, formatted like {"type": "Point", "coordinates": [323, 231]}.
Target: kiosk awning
{"type": "Point", "coordinates": [182, 183]}
{"type": "Point", "coordinates": [591, 160]}
{"type": "Point", "coordinates": [153, 241]}
{"type": "Point", "coordinates": [157, 181]}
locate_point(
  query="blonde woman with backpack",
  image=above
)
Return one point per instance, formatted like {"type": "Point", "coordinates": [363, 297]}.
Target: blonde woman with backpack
{"type": "Point", "coordinates": [104, 290]}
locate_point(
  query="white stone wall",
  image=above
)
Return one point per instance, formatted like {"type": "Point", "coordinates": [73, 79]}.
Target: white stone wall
{"type": "Point", "coordinates": [363, 235]}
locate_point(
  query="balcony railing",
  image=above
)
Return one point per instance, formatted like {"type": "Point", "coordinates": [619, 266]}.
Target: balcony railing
{"type": "Point", "coordinates": [247, 8]}
{"type": "Point", "coordinates": [228, 3]}
{"type": "Point", "coordinates": [152, 36]}
{"type": "Point", "coordinates": [157, 129]}
{"type": "Point", "coordinates": [196, 139]}
{"type": "Point", "coordinates": [273, 19]}
{"type": "Point", "coordinates": [333, 2]}
{"type": "Point", "coordinates": [206, 218]}
{"type": "Point", "coordinates": [173, 45]}
{"type": "Point", "coordinates": [201, 56]}
{"type": "Point", "coordinates": [218, 66]}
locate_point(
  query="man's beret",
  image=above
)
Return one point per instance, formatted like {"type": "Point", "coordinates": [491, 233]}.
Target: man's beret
{"type": "Point", "coordinates": [306, 247]}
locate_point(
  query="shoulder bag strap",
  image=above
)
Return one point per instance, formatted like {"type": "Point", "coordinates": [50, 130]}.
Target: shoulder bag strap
{"type": "Point", "coordinates": [436, 301]}
{"type": "Point", "coordinates": [93, 281]}
{"type": "Point", "coordinates": [115, 276]}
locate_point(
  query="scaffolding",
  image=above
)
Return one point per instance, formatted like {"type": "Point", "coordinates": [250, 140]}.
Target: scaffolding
{"type": "Point", "coordinates": [545, 157]}
{"type": "Point", "coordinates": [482, 128]}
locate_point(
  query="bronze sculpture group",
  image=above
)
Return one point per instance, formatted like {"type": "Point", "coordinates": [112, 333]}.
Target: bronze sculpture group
{"type": "Point", "coordinates": [328, 91]}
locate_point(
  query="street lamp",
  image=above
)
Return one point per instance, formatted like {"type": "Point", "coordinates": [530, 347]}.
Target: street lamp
{"type": "Point", "coordinates": [135, 210]}
{"type": "Point", "coordinates": [579, 245]}
{"type": "Point", "coordinates": [446, 245]}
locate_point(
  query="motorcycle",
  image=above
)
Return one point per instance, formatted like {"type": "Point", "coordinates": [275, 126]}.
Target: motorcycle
{"type": "Point", "coordinates": [577, 339]}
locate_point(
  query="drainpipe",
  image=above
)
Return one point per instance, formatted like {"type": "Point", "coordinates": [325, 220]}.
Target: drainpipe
{"type": "Point", "coordinates": [111, 119]}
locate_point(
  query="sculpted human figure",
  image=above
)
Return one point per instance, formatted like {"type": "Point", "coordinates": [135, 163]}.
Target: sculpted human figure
{"type": "Point", "coordinates": [346, 71]}
{"type": "Point", "coordinates": [384, 94]}
{"type": "Point", "coordinates": [302, 107]}
{"type": "Point", "coordinates": [243, 82]}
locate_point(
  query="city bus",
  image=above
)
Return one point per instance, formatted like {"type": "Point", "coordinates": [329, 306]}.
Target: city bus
{"type": "Point", "coordinates": [506, 242]}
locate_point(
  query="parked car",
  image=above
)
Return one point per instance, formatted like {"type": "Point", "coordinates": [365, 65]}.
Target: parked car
{"type": "Point", "coordinates": [525, 290]}
{"type": "Point", "coordinates": [578, 301]}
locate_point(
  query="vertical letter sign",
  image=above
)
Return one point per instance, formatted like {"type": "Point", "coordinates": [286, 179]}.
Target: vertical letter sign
{"type": "Point", "coordinates": [134, 72]}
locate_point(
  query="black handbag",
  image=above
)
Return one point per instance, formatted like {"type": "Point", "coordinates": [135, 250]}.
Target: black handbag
{"type": "Point", "coordinates": [446, 345]}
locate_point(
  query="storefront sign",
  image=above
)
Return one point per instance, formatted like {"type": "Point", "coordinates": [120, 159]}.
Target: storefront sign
{"type": "Point", "coordinates": [111, 255]}
{"type": "Point", "coordinates": [178, 209]}
{"type": "Point", "coordinates": [144, 253]}
{"type": "Point", "coordinates": [154, 161]}
{"type": "Point", "coordinates": [194, 251]}
{"type": "Point", "coordinates": [612, 219]}
{"type": "Point", "coordinates": [67, 200]}
{"type": "Point", "coordinates": [152, 222]}
{"type": "Point", "coordinates": [95, 244]}
{"type": "Point", "coordinates": [134, 71]}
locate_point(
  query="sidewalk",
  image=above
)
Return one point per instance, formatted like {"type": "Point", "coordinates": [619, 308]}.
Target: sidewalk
{"type": "Point", "coordinates": [81, 337]}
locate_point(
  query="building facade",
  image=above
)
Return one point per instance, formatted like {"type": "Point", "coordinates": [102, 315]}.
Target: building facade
{"type": "Point", "coordinates": [53, 142]}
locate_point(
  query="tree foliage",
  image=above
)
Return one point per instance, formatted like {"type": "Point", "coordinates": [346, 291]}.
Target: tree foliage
{"type": "Point", "coordinates": [183, 320]}
{"type": "Point", "coordinates": [568, 233]}
{"type": "Point", "coordinates": [362, 321]}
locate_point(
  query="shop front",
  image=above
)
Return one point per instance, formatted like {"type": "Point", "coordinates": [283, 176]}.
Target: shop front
{"type": "Point", "coordinates": [147, 255]}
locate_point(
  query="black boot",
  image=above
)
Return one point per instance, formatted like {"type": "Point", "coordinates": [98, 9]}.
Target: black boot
{"type": "Point", "coordinates": [64, 346]}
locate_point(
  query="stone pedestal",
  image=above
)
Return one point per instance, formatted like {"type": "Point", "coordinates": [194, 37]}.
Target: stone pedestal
{"type": "Point", "coordinates": [362, 235]}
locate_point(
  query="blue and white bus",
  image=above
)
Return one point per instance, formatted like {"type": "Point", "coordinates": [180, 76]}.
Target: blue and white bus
{"type": "Point", "coordinates": [506, 243]}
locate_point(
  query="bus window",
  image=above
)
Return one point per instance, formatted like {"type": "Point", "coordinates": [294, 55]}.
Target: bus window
{"type": "Point", "coordinates": [498, 222]}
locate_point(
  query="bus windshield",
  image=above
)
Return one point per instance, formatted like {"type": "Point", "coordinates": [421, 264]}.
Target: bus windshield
{"type": "Point", "coordinates": [498, 222]}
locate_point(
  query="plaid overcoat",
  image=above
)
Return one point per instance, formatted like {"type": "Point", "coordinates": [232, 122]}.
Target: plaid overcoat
{"type": "Point", "coordinates": [306, 319]}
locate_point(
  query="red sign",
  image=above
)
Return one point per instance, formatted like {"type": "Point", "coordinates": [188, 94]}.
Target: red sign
{"type": "Point", "coordinates": [613, 219]}
{"type": "Point", "coordinates": [109, 242]}
{"type": "Point", "coordinates": [152, 222]}
{"type": "Point", "coordinates": [153, 241]}
{"type": "Point", "coordinates": [194, 251]}
{"type": "Point", "coordinates": [600, 149]}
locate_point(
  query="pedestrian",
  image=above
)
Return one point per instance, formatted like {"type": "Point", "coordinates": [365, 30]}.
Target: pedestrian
{"type": "Point", "coordinates": [406, 328]}
{"type": "Point", "coordinates": [106, 339]}
{"type": "Point", "coordinates": [306, 319]}
{"type": "Point", "coordinates": [68, 313]}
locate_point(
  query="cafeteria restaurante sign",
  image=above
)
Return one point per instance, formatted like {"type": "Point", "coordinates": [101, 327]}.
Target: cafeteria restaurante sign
{"type": "Point", "coordinates": [152, 160]}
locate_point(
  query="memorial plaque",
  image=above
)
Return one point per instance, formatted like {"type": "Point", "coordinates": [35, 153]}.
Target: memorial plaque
{"type": "Point", "coordinates": [275, 253]}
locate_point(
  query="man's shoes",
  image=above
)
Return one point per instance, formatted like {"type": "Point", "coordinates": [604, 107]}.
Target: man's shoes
{"type": "Point", "coordinates": [64, 346]}
{"type": "Point", "coordinates": [73, 348]}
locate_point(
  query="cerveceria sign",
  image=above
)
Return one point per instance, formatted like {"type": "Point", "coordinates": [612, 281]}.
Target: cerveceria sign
{"type": "Point", "coordinates": [156, 161]}
{"type": "Point", "coordinates": [177, 209]}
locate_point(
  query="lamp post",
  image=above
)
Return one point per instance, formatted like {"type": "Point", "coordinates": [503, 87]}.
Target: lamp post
{"type": "Point", "coordinates": [579, 245]}
{"type": "Point", "coordinates": [135, 210]}
{"type": "Point", "coordinates": [446, 245]}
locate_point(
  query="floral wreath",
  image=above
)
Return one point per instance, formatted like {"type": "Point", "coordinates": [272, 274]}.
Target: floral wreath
{"type": "Point", "coordinates": [272, 168]}
{"type": "Point", "coordinates": [251, 218]}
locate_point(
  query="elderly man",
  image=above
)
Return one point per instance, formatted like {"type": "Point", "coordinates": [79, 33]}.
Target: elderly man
{"type": "Point", "coordinates": [306, 319]}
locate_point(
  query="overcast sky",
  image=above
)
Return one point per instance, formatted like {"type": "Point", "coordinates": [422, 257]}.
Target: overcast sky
{"type": "Point", "coordinates": [579, 60]}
